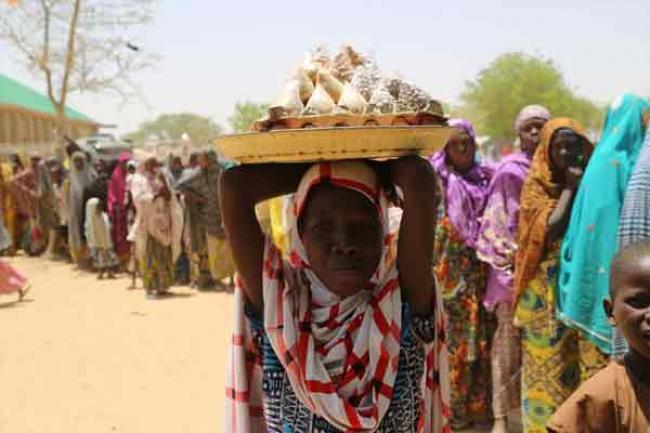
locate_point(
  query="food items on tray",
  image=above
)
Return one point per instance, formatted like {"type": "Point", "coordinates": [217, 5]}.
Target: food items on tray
{"type": "Point", "coordinates": [324, 88]}
{"type": "Point", "coordinates": [320, 102]}
{"type": "Point", "coordinates": [351, 101]}
{"type": "Point", "coordinates": [289, 103]}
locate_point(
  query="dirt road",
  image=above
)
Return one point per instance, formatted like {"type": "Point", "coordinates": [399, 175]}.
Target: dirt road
{"type": "Point", "coordinates": [82, 355]}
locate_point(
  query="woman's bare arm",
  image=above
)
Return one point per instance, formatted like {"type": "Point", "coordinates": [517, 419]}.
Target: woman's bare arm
{"type": "Point", "coordinates": [417, 180]}
{"type": "Point", "coordinates": [559, 218]}
{"type": "Point", "coordinates": [241, 188]}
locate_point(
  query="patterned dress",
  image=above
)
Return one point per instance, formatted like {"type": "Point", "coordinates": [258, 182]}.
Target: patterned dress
{"type": "Point", "coordinates": [157, 266]}
{"type": "Point", "coordinates": [461, 278]}
{"type": "Point", "coordinates": [284, 413]}
{"type": "Point", "coordinates": [555, 359]}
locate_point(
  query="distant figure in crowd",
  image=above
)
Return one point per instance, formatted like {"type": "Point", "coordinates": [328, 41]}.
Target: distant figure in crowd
{"type": "Point", "coordinates": [461, 276]}
{"type": "Point", "coordinates": [590, 242]}
{"type": "Point", "coordinates": [195, 233]}
{"type": "Point", "coordinates": [7, 211]}
{"type": "Point", "coordinates": [98, 237]}
{"type": "Point", "coordinates": [82, 175]}
{"type": "Point", "coordinates": [58, 176]}
{"type": "Point", "coordinates": [496, 246]}
{"type": "Point", "coordinates": [117, 200]}
{"type": "Point", "coordinates": [555, 358]}
{"type": "Point", "coordinates": [157, 230]}
{"type": "Point", "coordinates": [173, 171]}
{"type": "Point", "coordinates": [634, 224]}
{"type": "Point", "coordinates": [25, 186]}
{"type": "Point", "coordinates": [99, 187]}
{"type": "Point", "coordinates": [16, 219]}
{"type": "Point", "coordinates": [617, 399]}
{"type": "Point", "coordinates": [46, 208]}
{"type": "Point", "coordinates": [201, 188]}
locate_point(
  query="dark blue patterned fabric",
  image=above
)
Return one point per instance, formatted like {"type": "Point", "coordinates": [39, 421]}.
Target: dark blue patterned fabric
{"type": "Point", "coordinates": [284, 413]}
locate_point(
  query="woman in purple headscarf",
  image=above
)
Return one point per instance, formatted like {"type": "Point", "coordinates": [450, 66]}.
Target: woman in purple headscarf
{"type": "Point", "coordinates": [461, 276]}
{"type": "Point", "coordinates": [496, 246]}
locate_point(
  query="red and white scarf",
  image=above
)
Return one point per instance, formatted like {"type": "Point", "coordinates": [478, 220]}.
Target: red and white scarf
{"type": "Point", "coordinates": [341, 355]}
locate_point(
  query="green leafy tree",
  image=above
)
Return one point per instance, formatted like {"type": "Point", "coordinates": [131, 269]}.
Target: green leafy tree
{"type": "Point", "coordinates": [514, 80]}
{"type": "Point", "coordinates": [245, 114]}
{"type": "Point", "coordinates": [201, 130]}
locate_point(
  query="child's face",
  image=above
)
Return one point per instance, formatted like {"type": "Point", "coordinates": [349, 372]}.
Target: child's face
{"type": "Point", "coordinates": [343, 238]}
{"type": "Point", "coordinates": [630, 308]}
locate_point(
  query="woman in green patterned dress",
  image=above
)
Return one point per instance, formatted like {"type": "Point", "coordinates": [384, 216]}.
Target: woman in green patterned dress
{"type": "Point", "coordinates": [462, 277]}
{"type": "Point", "coordinates": [555, 359]}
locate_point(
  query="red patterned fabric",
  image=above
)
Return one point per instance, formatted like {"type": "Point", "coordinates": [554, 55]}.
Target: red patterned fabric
{"type": "Point", "coordinates": [341, 355]}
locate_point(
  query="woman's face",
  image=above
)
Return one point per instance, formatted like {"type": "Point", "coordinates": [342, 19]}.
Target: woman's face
{"type": "Point", "coordinates": [150, 165]}
{"type": "Point", "coordinates": [15, 163]}
{"type": "Point", "coordinates": [79, 164]}
{"type": "Point", "coordinates": [204, 162]}
{"type": "Point", "coordinates": [461, 150]}
{"type": "Point", "coordinates": [56, 174]}
{"type": "Point", "coordinates": [567, 150]}
{"type": "Point", "coordinates": [529, 134]}
{"type": "Point", "coordinates": [33, 161]}
{"type": "Point", "coordinates": [343, 238]}
{"type": "Point", "coordinates": [176, 165]}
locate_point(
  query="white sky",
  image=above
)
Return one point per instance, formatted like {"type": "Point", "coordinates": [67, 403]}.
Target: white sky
{"type": "Point", "coordinates": [215, 53]}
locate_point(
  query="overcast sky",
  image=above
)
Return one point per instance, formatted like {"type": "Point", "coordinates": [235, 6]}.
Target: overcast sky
{"type": "Point", "coordinates": [215, 53]}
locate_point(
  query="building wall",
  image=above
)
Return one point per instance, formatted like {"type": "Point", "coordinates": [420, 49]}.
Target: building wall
{"type": "Point", "coordinates": [22, 130]}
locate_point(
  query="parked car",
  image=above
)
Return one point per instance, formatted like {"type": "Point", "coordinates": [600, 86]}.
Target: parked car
{"type": "Point", "coordinates": [103, 146]}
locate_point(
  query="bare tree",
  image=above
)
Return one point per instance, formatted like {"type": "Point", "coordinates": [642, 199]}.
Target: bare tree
{"type": "Point", "coordinates": [78, 45]}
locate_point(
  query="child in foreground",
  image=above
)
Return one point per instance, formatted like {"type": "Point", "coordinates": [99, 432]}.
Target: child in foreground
{"type": "Point", "coordinates": [617, 399]}
{"type": "Point", "coordinates": [340, 337]}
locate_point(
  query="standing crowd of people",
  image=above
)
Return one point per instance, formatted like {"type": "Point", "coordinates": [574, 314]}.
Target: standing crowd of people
{"type": "Point", "coordinates": [523, 257]}
{"type": "Point", "coordinates": [522, 254]}
{"type": "Point", "coordinates": [159, 221]}
{"type": "Point", "coordinates": [342, 323]}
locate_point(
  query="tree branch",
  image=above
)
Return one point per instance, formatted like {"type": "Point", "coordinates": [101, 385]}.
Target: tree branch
{"type": "Point", "coordinates": [44, 61]}
{"type": "Point", "coordinates": [70, 52]}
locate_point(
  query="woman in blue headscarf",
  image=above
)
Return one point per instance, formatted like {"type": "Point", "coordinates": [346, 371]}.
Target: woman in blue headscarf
{"type": "Point", "coordinates": [590, 242]}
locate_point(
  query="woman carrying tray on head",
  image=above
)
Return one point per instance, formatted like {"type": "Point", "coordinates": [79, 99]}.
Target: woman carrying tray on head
{"type": "Point", "coordinates": [338, 337]}
{"type": "Point", "coordinates": [461, 275]}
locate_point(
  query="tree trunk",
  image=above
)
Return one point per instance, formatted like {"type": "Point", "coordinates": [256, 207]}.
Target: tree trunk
{"type": "Point", "coordinates": [61, 129]}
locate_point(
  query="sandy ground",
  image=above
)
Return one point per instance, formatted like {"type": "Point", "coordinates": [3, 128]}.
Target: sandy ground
{"type": "Point", "coordinates": [82, 355]}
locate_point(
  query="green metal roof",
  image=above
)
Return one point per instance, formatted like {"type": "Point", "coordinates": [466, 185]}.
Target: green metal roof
{"type": "Point", "coordinates": [14, 93]}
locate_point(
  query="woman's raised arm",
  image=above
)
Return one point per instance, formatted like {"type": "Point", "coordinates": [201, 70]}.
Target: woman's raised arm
{"type": "Point", "coordinates": [417, 180]}
{"type": "Point", "coordinates": [240, 190]}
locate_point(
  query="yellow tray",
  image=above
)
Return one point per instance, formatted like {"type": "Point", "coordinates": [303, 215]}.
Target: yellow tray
{"type": "Point", "coordinates": [318, 144]}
